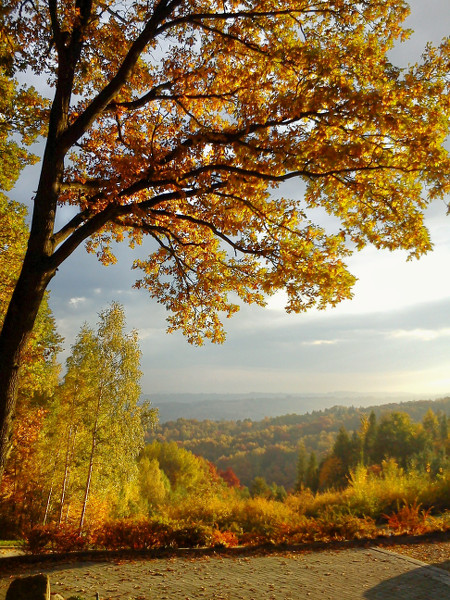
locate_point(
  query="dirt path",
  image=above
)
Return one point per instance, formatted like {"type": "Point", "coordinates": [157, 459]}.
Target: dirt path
{"type": "Point", "coordinates": [335, 575]}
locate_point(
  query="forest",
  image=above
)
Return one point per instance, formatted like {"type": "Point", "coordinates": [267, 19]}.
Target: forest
{"type": "Point", "coordinates": [269, 448]}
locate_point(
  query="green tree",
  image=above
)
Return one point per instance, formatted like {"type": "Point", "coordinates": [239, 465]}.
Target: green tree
{"type": "Point", "coordinates": [186, 473]}
{"type": "Point", "coordinates": [301, 466]}
{"type": "Point", "coordinates": [260, 487]}
{"type": "Point", "coordinates": [443, 427]}
{"type": "Point", "coordinates": [154, 485]}
{"type": "Point", "coordinates": [179, 119]}
{"type": "Point", "coordinates": [312, 473]}
{"type": "Point", "coordinates": [115, 419]}
{"type": "Point", "coordinates": [345, 453]}
{"type": "Point", "coordinates": [398, 438]}
{"type": "Point", "coordinates": [430, 424]}
{"type": "Point", "coordinates": [368, 433]}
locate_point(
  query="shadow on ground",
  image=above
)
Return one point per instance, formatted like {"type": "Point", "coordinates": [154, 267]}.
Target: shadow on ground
{"type": "Point", "coordinates": [427, 582]}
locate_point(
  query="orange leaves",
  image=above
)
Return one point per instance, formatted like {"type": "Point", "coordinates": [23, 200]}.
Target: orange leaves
{"type": "Point", "coordinates": [196, 113]}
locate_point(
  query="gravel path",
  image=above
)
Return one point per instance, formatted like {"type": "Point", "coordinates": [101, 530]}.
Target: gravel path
{"type": "Point", "coordinates": [351, 574]}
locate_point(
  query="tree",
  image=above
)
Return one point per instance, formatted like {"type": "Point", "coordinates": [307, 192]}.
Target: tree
{"type": "Point", "coordinates": [259, 487]}
{"type": "Point", "coordinates": [368, 434]}
{"type": "Point", "coordinates": [178, 120]}
{"type": "Point", "coordinates": [301, 467]}
{"type": "Point", "coordinates": [98, 420]}
{"type": "Point", "coordinates": [397, 437]}
{"type": "Point", "coordinates": [21, 115]}
{"type": "Point", "coordinates": [186, 473]}
{"type": "Point", "coordinates": [430, 424]}
{"type": "Point", "coordinates": [312, 473]}
{"type": "Point", "coordinates": [20, 488]}
{"type": "Point", "coordinates": [230, 478]}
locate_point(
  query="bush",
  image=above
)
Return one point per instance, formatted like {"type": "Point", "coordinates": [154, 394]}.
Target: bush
{"type": "Point", "coordinates": [409, 519]}
{"type": "Point", "coordinates": [192, 536]}
{"type": "Point", "coordinates": [224, 539]}
{"type": "Point", "coordinates": [132, 534]}
{"type": "Point", "coordinates": [337, 526]}
{"type": "Point", "coordinates": [54, 538]}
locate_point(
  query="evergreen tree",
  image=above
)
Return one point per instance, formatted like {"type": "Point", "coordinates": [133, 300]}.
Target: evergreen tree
{"type": "Point", "coordinates": [312, 473]}
{"type": "Point", "coordinates": [369, 433]}
{"type": "Point", "coordinates": [301, 466]}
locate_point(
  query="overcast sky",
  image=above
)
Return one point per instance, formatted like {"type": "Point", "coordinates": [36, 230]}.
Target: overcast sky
{"type": "Point", "coordinates": [393, 336]}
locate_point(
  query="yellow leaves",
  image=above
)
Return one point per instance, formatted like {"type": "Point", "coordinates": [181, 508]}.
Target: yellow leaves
{"type": "Point", "coordinates": [216, 112]}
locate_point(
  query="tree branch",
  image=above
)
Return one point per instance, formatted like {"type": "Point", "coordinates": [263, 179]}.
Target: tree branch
{"type": "Point", "coordinates": [162, 10]}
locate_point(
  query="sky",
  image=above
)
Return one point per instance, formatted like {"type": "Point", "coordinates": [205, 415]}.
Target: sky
{"type": "Point", "coordinates": [393, 336]}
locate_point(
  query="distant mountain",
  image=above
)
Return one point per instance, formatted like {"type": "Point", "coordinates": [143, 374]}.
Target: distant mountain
{"type": "Point", "coordinates": [257, 406]}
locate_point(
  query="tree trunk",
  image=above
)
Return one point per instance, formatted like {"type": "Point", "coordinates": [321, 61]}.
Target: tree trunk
{"type": "Point", "coordinates": [69, 456]}
{"type": "Point", "coordinates": [47, 504]}
{"type": "Point", "coordinates": [91, 459]}
{"type": "Point", "coordinates": [88, 481]}
{"type": "Point", "coordinates": [16, 330]}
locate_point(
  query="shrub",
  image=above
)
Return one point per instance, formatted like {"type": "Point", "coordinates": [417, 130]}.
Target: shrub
{"type": "Point", "coordinates": [37, 539]}
{"type": "Point", "coordinates": [132, 534]}
{"type": "Point", "coordinates": [191, 536]}
{"type": "Point", "coordinates": [409, 519]}
{"type": "Point", "coordinates": [337, 526]}
{"type": "Point", "coordinates": [224, 539]}
{"type": "Point", "coordinates": [54, 538]}
{"type": "Point", "coordinates": [437, 493]}
{"type": "Point", "coordinates": [207, 509]}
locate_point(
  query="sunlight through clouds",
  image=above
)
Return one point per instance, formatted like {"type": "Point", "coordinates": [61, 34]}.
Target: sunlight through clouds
{"type": "Point", "coordinates": [425, 335]}
{"type": "Point", "coordinates": [321, 343]}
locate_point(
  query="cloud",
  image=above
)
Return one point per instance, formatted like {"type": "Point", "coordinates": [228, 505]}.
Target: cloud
{"type": "Point", "coordinates": [320, 343]}
{"type": "Point", "coordinates": [424, 335]}
{"type": "Point", "coordinates": [76, 301]}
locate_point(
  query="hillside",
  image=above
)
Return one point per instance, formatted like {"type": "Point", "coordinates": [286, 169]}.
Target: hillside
{"type": "Point", "coordinates": [269, 447]}
{"type": "Point", "coordinates": [254, 406]}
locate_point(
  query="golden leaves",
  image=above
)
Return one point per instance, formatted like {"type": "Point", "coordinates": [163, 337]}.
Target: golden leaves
{"type": "Point", "coordinates": [224, 104]}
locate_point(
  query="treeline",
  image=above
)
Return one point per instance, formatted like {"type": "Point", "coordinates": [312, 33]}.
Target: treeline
{"type": "Point", "coordinates": [270, 448]}
{"type": "Point", "coordinates": [422, 447]}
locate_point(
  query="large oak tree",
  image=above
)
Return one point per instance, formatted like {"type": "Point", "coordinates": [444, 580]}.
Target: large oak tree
{"type": "Point", "coordinates": [179, 119]}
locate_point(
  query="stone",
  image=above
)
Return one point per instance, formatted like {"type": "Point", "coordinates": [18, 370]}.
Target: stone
{"type": "Point", "coordinates": [35, 587]}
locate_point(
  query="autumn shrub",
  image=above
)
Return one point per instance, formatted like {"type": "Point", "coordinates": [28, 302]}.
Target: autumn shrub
{"type": "Point", "coordinates": [409, 519]}
{"type": "Point", "coordinates": [312, 505]}
{"type": "Point", "coordinates": [437, 493]}
{"type": "Point", "coordinates": [373, 494]}
{"type": "Point", "coordinates": [37, 539]}
{"type": "Point", "coordinates": [224, 539]}
{"type": "Point", "coordinates": [260, 519]}
{"type": "Point", "coordinates": [332, 525]}
{"type": "Point", "coordinates": [54, 538]}
{"type": "Point", "coordinates": [140, 534]}
{"type": "Point", "coordinates": [188, 535]}
{"type": "Point", "coordinates": [216, 511]}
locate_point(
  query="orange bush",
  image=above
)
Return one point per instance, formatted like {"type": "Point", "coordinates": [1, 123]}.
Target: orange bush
{"type": "Point", "coordinates": [409, 519]}
{"type": "Point", "coordinates": [133, 534]}
{"type": "Point", "coordinates": [54, 538]}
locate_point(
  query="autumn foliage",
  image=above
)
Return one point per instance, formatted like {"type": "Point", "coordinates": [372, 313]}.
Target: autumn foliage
{"type": "Point", "coordinates": [179, 122]}
{"type": "Point", "coordinates": [184, 124]}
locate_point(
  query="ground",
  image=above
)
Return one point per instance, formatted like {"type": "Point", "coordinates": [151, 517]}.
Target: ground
{"type": "Point", "coordinates": [371, 573]}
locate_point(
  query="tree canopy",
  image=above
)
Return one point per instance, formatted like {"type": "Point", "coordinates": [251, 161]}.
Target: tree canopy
{"type": "Point", "coordinates": [179, 121]}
